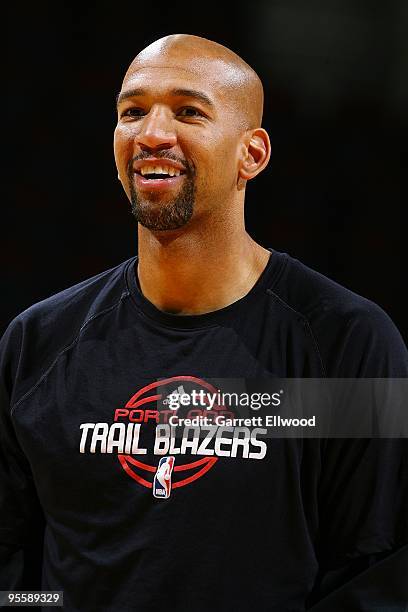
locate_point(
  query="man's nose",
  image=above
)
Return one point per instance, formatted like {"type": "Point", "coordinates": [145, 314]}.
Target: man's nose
{"type": "Point", "coordinates": [156, 131]}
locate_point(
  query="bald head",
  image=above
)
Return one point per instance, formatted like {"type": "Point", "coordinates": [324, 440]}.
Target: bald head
{"type": "Point", "coordinates": [231, 75]}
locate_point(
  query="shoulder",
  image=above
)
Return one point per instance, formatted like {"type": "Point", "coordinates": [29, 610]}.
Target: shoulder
{"type": "Point", "coordinates": [37, 335]}
{"type": "Point", "coordinates": [77, 304]}
{"type": "Point", "coordinates": [354, 335]}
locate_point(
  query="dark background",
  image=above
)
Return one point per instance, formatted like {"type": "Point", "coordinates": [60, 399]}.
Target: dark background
{"type": "Point", "coordinates": [335, 76]}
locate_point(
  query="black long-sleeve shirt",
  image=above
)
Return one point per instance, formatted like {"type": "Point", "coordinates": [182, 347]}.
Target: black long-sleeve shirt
{"type": "Point", "coordinates": [274, 525]}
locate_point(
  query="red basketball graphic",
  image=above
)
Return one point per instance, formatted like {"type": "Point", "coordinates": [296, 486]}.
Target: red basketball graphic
{"type": "Point", "coordinates": [188, 472]}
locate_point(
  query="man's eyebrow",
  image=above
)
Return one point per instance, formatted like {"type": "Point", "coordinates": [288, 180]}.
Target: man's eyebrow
{"type": "Point", "coordinates": [187, 93]}
{"type": "Point", "coordinates": [193, 93]}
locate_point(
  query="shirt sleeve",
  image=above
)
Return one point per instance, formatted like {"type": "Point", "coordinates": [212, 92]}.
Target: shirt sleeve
{"type": "Point", "coordinates": [374, 582]}
{"type": "Point", "coordinates": [21, 517]}
{"type": "Point", "coordinates": [363, 488]}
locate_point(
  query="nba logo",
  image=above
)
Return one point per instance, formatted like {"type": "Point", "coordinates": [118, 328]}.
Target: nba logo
{"type": "Point", "coordinates": [162, 478]}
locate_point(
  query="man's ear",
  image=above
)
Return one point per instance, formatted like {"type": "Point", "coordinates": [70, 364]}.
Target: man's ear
{"type": "Point", "coordinates": [256, 155]}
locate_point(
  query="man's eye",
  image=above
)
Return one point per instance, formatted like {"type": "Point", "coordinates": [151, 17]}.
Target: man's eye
{"type": "Point", "coordinates": [137, 113]}
{"type": "Point", "coordinates": [189, 111]}
{"type": "Point", "coordinates": [133, 112]}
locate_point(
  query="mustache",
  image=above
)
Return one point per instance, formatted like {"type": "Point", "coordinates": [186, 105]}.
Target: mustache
{"type": "Point", "coordinates": [189, 167]}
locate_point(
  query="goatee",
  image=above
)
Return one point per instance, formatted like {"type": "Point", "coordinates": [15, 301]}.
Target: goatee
{"type": "Point", "coordinates": [169, 215]}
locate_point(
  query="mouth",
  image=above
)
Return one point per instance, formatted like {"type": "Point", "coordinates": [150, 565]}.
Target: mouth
{"type": "Point", "coordinates": [153, 175]}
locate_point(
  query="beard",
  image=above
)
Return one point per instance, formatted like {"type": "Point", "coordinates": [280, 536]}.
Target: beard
{"type": "Point", "coordinates": [149, 212]}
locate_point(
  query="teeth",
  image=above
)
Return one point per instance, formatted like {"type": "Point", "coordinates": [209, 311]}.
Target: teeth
{"type": "Point", "coordinates": [159, 170]}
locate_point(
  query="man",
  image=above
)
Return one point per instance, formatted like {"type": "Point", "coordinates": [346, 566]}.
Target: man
{"type": "Point", "coordinates": [139, 517]}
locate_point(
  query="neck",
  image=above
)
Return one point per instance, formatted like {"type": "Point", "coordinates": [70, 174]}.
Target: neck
{"type": "Point", "coordinates": [197, 271]}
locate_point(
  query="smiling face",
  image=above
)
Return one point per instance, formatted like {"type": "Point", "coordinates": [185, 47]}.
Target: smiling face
{"type": "Point", "coordinates": [182, 130]}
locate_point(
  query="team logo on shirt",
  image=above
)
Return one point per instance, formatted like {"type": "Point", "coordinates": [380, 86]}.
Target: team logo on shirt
{"type": "Point", "coordinates": [145, 427]}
